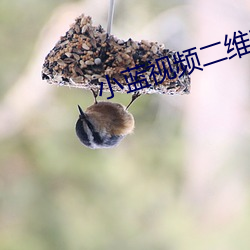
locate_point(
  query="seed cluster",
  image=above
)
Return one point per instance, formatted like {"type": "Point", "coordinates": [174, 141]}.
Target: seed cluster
{"type": "Point", "coordinates": [86, 54]}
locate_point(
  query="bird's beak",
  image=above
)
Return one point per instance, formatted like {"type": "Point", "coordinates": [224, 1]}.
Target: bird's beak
{"type": "Point", "coordinates": [82, 115]}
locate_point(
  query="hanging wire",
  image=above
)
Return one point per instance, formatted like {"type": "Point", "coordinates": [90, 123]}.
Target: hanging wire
{"type": "Point", "coordinates": [110, 15]}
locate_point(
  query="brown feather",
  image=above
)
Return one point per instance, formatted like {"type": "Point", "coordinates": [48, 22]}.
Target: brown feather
{"type": "Point", "coordinates": [112, 117]}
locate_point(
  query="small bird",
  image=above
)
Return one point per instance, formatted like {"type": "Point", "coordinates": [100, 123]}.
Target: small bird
{"type": "Point", "coordinates": [104, 124]}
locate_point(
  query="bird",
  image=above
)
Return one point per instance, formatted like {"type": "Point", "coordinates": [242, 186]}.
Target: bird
{"type": "Point", "coordinates": [104, 124]}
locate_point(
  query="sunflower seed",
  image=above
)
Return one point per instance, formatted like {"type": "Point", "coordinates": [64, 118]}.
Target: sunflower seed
{"type": "Point", "coordinates": [101, 79]}
{"type": "Point", "coordinates": [78, 70]}
{"type": "Point", "coordinates": [77, 79]}
{"type": "Point", "coordinates": [68, 54]}
{"type": "Point", "coordinates": [88, 62]}
{"type": "Point", "coordinates": [85, 46]}
{"type": "Point", "coordinates": [77, 57]}
{"type": "Point", "coordinates": [77, 29]}
{"type": "Point", "coordinates": [154, 49]}
{"type": "Point", "coordinates": [69, 60]}
{"type": "Point", "coordinates": [95, 76]}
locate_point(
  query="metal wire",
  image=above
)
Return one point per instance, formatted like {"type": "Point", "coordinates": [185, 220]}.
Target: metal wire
{"type": "Point", "coordinates": [110, 15]}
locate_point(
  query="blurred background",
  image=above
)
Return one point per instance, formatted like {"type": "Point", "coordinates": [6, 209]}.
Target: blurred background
{"type": "Point", "coordinates": [180, 182]}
